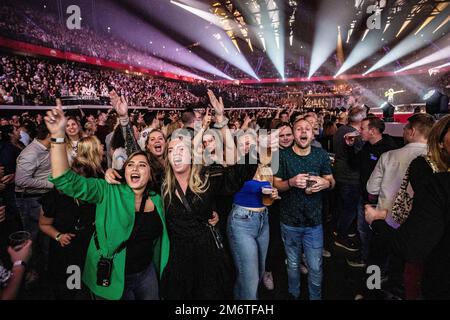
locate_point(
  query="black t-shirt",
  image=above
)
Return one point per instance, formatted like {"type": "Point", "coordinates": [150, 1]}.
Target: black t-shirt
{"type": "Point", "coordinates": [70, 216]}
{"type": "Point", "coordinates": [102, 132]}
{"type": "Point", "coordinates": [147, 228]}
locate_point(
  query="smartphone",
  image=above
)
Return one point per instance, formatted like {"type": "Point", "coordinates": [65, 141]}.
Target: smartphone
{"type": "Point", "coordinates": [104, 270]}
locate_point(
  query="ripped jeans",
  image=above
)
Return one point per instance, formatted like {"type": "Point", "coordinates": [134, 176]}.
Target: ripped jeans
{"type": "Point", "coordinates": [311, 240]}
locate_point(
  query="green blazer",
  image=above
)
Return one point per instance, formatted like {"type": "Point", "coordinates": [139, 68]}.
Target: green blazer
{"type": "Point", "coordinates": [114, 221]}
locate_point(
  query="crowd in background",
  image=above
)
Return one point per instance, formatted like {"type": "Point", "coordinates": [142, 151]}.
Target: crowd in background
{"type": "Point", "coordinates": [33, 23]}
{"type": "Point", "coordinates": [336, 169]}
{"type": "Point", "coordinates": [36, 81]}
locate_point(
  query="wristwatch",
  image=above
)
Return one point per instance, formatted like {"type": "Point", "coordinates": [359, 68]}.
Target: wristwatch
{"type": "Point", "coordinates": [58, 140]}
{"type": "Point", "coordinates": [58, 236]}
{"type": "Point", "coordinates": [20, 263]}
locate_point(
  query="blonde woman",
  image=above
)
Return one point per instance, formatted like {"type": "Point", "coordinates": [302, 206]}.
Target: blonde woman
{"type": "Point", "coordinates": [73, 135]}
{"type": "Point", "coordinates": [197, 267]}
{"type": "Point", "coordinates": [248, 225]}
{"type": "Point", "coordinates": [70, 222]}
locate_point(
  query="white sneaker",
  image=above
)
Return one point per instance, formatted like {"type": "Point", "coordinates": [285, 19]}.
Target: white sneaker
{"type": "Point", "coordinates": [268, 280]}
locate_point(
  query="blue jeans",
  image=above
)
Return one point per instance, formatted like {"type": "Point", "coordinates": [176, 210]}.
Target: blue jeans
{"type": "Point", "coordinates": [142, 285]}
{"type": "Point", "coordinates": [248, 235]}
{"type": "Point", "coordinates": [349, 207]}
{"type": "Point", "coordinates": [29, 210]}
{"type": "Point", "coordinates": [311, 239]}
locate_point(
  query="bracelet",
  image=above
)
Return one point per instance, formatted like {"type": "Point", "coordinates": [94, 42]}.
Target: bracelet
{"type": "Point", "coordinates": [58, 236]}
{"type": "Point", "coordinates": [58, 140]}
{"type": "Point", "coordinates": [289, 183]}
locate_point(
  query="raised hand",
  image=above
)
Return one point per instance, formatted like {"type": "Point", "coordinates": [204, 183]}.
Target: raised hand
{"type": "Point", "coordinates": [119, 103]}
{"type": "Point", "coordinates": [206, 119]}
{"type": "Point", "coordinates": [216, 104]}
{"type": "Point", "coordinates": [56, 122]}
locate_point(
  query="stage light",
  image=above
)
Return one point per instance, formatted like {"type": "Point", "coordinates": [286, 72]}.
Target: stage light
{"type": "Point", "coordinates": [439, 55]}
{"type": "Point", "coordinates": [436, 103]}
{"type": "Point", "coordinates": [139, 31]}
{"type": "Point", "coordinates": [411, 43]}
{"type": "Point", "coordinates": [442, 24]}
{"type": "Point", "coordinates": [429, 94]}
{"type": "Point", "coordinates": [436, 70]}
{"type": "Point", "coordinates": [227, 49]}
{"type": "Point", "coordinates": [361, 51]}
{"type": "Point", "coordinates": [198, 12]}
{"type": "Point", "coordinates": [330, 16]}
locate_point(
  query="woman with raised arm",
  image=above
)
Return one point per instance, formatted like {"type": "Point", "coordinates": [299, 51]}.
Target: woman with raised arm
{"type": "Point", "coordinates": [197, 266]}
{"type": "Point", "coordinates": [130, 239]}
{"type": "Point", "coordinates": [248, 225]}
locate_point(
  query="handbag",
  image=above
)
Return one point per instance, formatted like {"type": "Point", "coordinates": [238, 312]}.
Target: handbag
{"type": "Point", "coordinates": [403, 200]}
{"type": "Point", "coordinates": [212, 229]}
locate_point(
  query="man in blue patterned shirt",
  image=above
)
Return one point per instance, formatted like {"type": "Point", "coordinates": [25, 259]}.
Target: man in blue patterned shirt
{"type": "Point", "coordinates": [304, 172]}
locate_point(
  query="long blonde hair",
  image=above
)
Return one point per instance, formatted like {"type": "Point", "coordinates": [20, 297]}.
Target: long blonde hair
{"type": "Point", "coordinates": [198, 183]}
{"type": "Point", "coordinates": [87, 155]}
{"type": "Point", "coordinates": [438, 155]}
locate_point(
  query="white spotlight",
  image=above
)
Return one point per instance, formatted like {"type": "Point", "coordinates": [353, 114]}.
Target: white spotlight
{"type": "Point", "coordinates": [429, 94]}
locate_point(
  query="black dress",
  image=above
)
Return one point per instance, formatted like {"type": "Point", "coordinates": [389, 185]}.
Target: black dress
{"type": "Point", "coordinates": [196, 268]}
{"type": "Point", "coordinates": [74, 217]}
{"type": "Point", "coordinates": [425, 235]}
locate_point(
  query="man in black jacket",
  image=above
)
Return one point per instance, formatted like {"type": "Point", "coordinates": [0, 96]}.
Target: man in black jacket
{"type": "Point", "coordinates": [365, 160]}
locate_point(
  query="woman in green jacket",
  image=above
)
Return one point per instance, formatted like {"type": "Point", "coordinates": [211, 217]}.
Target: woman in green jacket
{"type": "Point", "coordinates": [131, 239]}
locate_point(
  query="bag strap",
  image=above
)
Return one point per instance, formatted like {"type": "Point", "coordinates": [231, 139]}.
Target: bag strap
{"type": "Point", "coordinates": [184, 201]}
{"type": "Point", "coordinates": [123, 245]}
